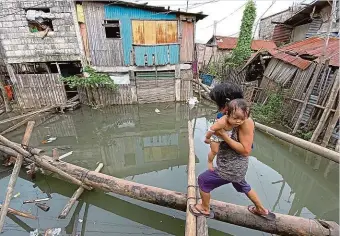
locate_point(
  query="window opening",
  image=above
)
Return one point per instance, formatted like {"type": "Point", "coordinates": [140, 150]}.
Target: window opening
{"type": "Point", "coordinates": [112, 29]}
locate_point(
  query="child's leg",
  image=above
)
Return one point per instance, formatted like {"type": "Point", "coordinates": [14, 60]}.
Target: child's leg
{"type": "Point", "coordinates": [213, 151]}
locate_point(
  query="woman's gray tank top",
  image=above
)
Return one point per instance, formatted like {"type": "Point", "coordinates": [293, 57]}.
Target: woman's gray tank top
{"type": "Point", "coordinates": [231, 165]}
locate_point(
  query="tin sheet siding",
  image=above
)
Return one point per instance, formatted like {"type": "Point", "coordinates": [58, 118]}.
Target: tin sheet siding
{"type": "Point", "coordinates": [164, 54]}
{"type": "Point", "coordinates": [125, 15]}
{"type": "Point", "coordinates": [104, 52]}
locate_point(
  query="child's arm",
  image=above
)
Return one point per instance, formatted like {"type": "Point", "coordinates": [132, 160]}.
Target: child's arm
{"type": "Point", "coordinates": [218, 125]}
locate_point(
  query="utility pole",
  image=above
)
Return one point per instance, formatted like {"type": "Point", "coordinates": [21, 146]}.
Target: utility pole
{"type": "Point", "coordinates": [316, 72]}
{"type": "Point", "coordinates": [187, 5]}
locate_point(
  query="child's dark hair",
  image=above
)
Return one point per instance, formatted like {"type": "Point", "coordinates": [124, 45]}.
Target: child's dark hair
{"type": "Point", "coordinates": [241, 104]}
{"type": "Point", "coordinates": [223, 93]}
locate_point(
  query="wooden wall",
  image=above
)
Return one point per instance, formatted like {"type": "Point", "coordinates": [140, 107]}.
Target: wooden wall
{"type": "Point", "coordinates": [104, 52]}
{"type": "Point", "coordinates": [187, 41]}
{"type": "Point", "coordinates": [105, 97]}
{"type": "Point", "coordinates": [38, 90]}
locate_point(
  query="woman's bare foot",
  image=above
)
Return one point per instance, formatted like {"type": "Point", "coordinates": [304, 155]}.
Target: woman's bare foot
{"type": "Point", "coordinates": [199, 209]}
{"type": "Point", "coordinates": [210, 166]}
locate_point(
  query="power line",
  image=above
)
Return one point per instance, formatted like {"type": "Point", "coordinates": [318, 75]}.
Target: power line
{"type": "Point", "coordinates": [227, 15]}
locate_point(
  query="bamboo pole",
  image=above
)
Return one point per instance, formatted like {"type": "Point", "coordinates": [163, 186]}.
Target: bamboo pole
{"type": "Point", "coordinates": [14, 176]}
{"type": "Point", "coordinates": [190, 224]}
{"type": "Point", "coordinates": [326, 112]}
{"type": "Point", "coordinates": [312, 147]}
{"type": "Point", "coordinates": [75, 196]}
{"type": "Point", "coordinates": [19, 213]}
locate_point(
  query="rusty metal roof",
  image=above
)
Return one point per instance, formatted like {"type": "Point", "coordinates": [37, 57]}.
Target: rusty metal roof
{"type": "Point", "coordinates": [281, 34]}
{"type": "Point", "coordinates": [230, 43]}
{"type": "Point", "coordinates": [293, 53]}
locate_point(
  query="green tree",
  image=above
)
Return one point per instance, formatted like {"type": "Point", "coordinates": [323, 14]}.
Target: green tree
{"type": "Point", "coordinates": [243, 47]}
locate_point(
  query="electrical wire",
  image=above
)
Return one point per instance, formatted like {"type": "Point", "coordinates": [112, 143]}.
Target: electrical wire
{"type": "Point", "coordinates": [224, 18]}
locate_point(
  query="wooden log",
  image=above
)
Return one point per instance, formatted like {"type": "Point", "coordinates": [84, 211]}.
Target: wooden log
{"type": "Point", "coordinates": [326, 112]}
{"type": "Point", "coordinates": [202, 85]}
{"type": "Point", "coordinates": [41, 161]}
{"type": "Point", "coordinates": [190, 223]}
{"type": "Point", "coordinates": [307, 96]}
{"type": "Point", "coordinates": [14, 176]}
{"type": "Point", "coordinates": [226, 212]}
{"type": "Point", "coordinates": [27, 114]}
{"type": "Point", "coordinates": [75, 197]}
{"type": "Point", "coordinates": [201, 221]}
{"type": "Point", "coordinates": [20, 213]}
{"type": "Point", "coordinates": [312, 147]}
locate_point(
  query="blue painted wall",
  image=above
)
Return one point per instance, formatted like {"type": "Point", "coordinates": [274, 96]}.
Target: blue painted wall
{"type": "Point", "coordinates": [160, 52]}
{"type": "Point", "coordinates": [125, 15]}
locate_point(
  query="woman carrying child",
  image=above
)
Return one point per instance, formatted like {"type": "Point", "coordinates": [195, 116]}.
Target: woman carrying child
{"type": "Point", "coordinates": [235, 131]}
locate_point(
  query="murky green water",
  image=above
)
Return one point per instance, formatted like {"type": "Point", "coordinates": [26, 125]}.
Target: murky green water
{"type": "Point", "coordinates": [137, 144]}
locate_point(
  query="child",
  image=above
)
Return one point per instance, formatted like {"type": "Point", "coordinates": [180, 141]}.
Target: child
{"type": "Point", "coordinates": [237, 113]}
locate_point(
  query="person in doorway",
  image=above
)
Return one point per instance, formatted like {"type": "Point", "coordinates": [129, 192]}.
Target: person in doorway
{"type": "Point", "coordinates": [232, 156]}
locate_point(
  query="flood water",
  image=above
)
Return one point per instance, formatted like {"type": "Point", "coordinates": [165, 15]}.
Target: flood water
{"type": "Point", "coordinates": [137, 144]}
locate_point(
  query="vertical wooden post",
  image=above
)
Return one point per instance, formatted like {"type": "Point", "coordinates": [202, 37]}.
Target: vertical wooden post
{"type": "Point", "coordinates": [190, 225]}
{"type": "Point", "coordinates": [327, 110]}
{"type": "Point", "coordinates": [331, 126]}
{"type": "Point", "coordinates": [15, 174]}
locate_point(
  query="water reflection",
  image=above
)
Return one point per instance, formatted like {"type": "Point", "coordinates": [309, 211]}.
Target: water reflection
{"type": "Point", "coordinates": [136, 143]}
{"type": "Point", "coordinates": [313, 180]}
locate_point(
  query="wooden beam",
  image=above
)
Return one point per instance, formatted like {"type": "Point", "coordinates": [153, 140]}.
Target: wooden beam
{"type": "Point", "coordinates": [312, 147]}
{"type": "Point", "coordinates": [14, 176]}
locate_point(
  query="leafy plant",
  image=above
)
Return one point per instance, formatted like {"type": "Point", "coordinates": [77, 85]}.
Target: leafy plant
{"type": "Point", "coordinates": [271, 111]}
{"type": "Point", "coordinates": [305, 135]}
{"type": "Point", "coordinates": [243, 47]}
{"type": "Point", "coordinates": [92, 80]}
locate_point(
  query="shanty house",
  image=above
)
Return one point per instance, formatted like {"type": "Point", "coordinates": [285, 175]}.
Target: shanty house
{"type": "Point", "coordinates": [39, 39]}
{"type": "Point", "coordinates": [311, 20]}
{"type": "Point", "coordinates": [147, 50]}
{"type": "Point", "coordinates": [220, 46]}
{"type": "Point", "coordinates": [295, 70]}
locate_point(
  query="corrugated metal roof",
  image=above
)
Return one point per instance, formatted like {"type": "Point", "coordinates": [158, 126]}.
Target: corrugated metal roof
{"type": "Point", "coordinates": [311, 46]}
{"type": "Point", "coordinates": [281, 34]}
{"type": "Point", "coordinates": [199, 15]}
{"type": "Point", "coordinates": [230, 43]}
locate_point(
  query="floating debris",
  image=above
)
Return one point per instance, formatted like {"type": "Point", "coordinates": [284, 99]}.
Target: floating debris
{"type": "Point", "coordinates": [157, 111]}
{"type": "Point", "coordinates": [53, 232]}
{"type": "Point", "coordinates": [36, 200]}
{"type": "Point", "coordinates": [43, 207]}
{"type": "Point", "coordinates": [80, 220]}
{"type": "Point", "coordinates": [16, 195]}
{"type": "Point", "coordinates": [34, 233]}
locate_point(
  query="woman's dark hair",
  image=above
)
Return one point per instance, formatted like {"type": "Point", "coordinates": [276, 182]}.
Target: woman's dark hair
{"type": "Point", "coordinates": [241, 104]}
{"type": "Point", "coordinates": [221, 94]}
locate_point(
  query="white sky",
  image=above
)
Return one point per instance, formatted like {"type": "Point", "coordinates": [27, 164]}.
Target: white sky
{"type": "Point", "coordinates": [216, 10]}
